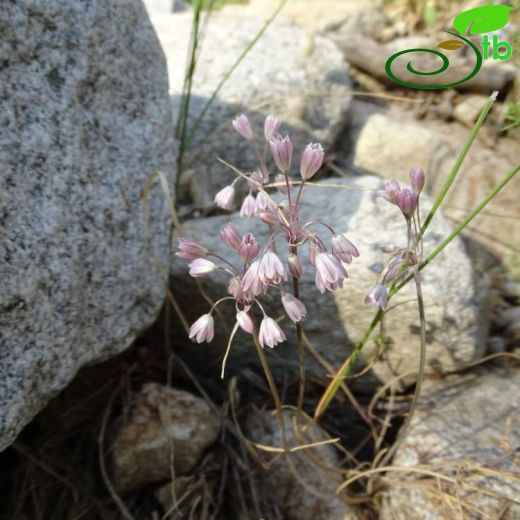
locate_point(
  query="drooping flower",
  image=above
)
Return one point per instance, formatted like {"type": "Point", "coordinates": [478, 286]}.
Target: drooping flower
{"type": "Point", "coordinates": [201, 267]}
{"type": "Point", "coordinates": [251, 283]}
{"type": "Point", "coordinates": [248, 208]}
{"type": "Point", "coordinates": [271, 268]}
{"type": "Point", "coordinates": [231, 236]}
{"type": "Point", "coordinates": [203, 329]}
{"type": "Point", "coordinates": [225, 197]}
{"type": "Point", "coordinates": [311, 161]}
{"type": "Point", "coordinates": [282, 150]}
{"type": "Point", "coordinates": [245, 322]}
{"type": "Point", "coordinates": [294, 308]}
{"type": "Point", "coordinates": [189, 250]}
{"type": "Point", "coordinates": [329, 272]}
{"type": "Point", "coordinates": [270, 333]}
{"type": "Point", "coordinates": [242, 125]}
{"type": "Point", "coordinates": [271, 127]}
{"type": "Point", "coordinates": [378, 297]}
{"type": "Point", "coordinates": [343, 249]}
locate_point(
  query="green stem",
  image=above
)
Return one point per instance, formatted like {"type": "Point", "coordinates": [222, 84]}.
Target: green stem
{"type": "Point", "coordinates": [403, 432]}
{"type": "Point", "coordinates": [231, 70]}
{"type": "Point", "coordinates": [458, 163]}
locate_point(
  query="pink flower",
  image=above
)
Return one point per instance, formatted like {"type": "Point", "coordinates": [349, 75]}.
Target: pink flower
{"type": "Point", "coordinates": [407, 202]}
{"type": "Point", "coordinates": [378, 297]}
{"type": "Point", "coordinates": [225, 197]}
{"type": "Point", "coordinates": [269, 217]}
{"type": "Point", "coordinates": [251, 283]}
{"type": "Point", "coordinates": [231, 236]}
{"type": "Point", "coordinates": [235, 289]}
{"type": "Point", "coordinates": [270, 333]}
{"type": "Point", "coordinates": [282, 150]}
{"type": "Point", "coordinates": [417, 179]}
{"type": "Point", "coordinates": [248, 208]}
{"type": "Point", "coordinates": [262, 202]}
{"type": "Point", "coordinates": [294, 308]}
{"type": "Point", "coordinates": [242, 125]}
{"type": "Point", "coordinates": [271, 268]}
{"type": "Point", "coordinates": [245, 322]}
{"type": "Point", "coordinates": [271, 127]}
{"type": "Point", "coordinates": [248, 247]}
{"type": "Point", "coordinates": [316, 247]}
{"type": "Point", "coordinates": [190, 250]}
{"type": "Point", "coordinates": [343, 249]}
{"type": "Point", "coordinates": [295, 267]}
{"type": "Point", "coordinates": [329, 272]}
{"type": "Point", "coordinates": [203, 329]}
{"type": "Point", "coordinates": [391, 192]}
{"type": "Point", "coordinates": [201, 267]}
{"type": "Point", "coordinates": [311, 161]}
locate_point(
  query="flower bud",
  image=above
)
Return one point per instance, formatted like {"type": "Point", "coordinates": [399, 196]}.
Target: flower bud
{"type": "Point", "coordinates": [243, 127]}
{"type": "Point", "coordinates": [282, 150]}
{"type": "Point", "coordinates": [189, 250]}
{"type": "Point", "coordinates": [295, 266]}
{"type": "Point", "coordinates": [417, 179]}
{"type": "Point", "coordinates": [231, 236]}
{"type": "Point", "coordinates": [294, 308]}
{"type": "Point", "coordinates": [245, 322]}
{"type": "Point", "coordinates": [271, 127]}
{"type": "Point", "coordinates": [407, 202]}
{"type": "Point", "coordinates": [311, 161]}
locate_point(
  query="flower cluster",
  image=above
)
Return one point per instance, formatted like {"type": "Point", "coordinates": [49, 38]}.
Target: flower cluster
{"type": "Point", "coordinates": [401, 259]}
{"type": "Point", "coordinates": [257, 268]}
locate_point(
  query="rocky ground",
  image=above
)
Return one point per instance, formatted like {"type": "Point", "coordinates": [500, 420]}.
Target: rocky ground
{"type": "Point", "coordinates": [154, 432]}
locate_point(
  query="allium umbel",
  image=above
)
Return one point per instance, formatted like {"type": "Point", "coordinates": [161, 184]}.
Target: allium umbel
{"type": "Point", "coordinates": [403, 260]}
{"type": "Point", "coordinates": [255, 269]}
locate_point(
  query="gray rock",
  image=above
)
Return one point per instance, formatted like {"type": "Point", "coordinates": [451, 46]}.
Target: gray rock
{"type": "Point", "coordinates": [286, 495]}
{"type": "Point", "coordinates": [456, 323]}
{"type": "Point", "coordinates": [84, 112]}
{"type": "Point", "coordinates": [301, 78]}
{"type": "Point", "coordinates": [467, 429]}
{"type": "Point", "coordinates": [165, 427]}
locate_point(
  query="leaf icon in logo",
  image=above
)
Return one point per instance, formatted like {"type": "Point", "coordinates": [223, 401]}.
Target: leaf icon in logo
{"type": "Point", "coordinates": [483, 19]}
{"type": "Point", "coordinates": [451, 45]}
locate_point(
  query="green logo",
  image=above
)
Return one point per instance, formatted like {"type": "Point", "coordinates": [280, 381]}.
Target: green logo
{"type": "Point", "coordinates": [474, 21]}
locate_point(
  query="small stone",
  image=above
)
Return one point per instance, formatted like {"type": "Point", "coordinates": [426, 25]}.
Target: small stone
{"type": "Point", "coordinates": [165, 426]}
{"type": "Point", "coordinates": [285, 493]}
